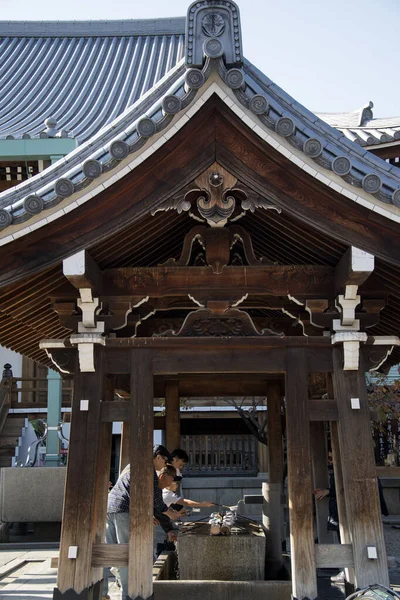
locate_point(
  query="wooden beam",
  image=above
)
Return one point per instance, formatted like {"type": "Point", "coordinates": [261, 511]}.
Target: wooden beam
{"type": "Point", "coordinates": [140, 578]}
{"type": "Point", "coordinates": [304, 575]}
{"type": "Point", "coordinates": [120, 410]}
{"type": "Point", "coordinates": [330, 556]}
{"type": "Point", "coordinates": [210, 386]}
{"type": "Point", "coordinates": [200, 282]}
{"type": "Point", "coordinates": [113, 412]}
{"type": "Point", "coordinates": [359, 474]}
{"type": "Point", "coordinates": [82, 271]}
{"type": "Point", "coordinates": [219, 355]}
{"type": "Point", "coordinates": [104, 555]}
{"type": "Point", "coordinates": [323, 410]}
{"type": "Point", "coordinates": [353, 269]}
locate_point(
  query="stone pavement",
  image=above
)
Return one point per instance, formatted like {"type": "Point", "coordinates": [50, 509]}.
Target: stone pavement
{"type": "Point", "coordinates": [27, 575]}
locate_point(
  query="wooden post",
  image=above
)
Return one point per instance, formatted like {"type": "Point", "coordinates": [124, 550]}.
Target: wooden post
{"type": "Point", "coordinates": [272, 491]}
{"type": "Point", "coordinates": [140, 583]}
{"type": "Point", "coordinates": [304, 575]}
{"type": "Point", "coordinates": [345, 537]}
{"type": "Point", "coordinates": [359, 474]}
{"type": "Point", "coordinates": [124, 451]}
{"type": "Point", "coordinates": [262, 452]}
{"type": "Point", "coordinates": [86, 488]}
{"type": "Point", "coordinates": [172, 416]}
{"type": "Point", "coordinates": [320, 479]}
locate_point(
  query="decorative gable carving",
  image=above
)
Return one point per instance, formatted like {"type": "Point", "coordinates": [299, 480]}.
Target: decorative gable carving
{"type": "Point", "coordinates": [216, 197]}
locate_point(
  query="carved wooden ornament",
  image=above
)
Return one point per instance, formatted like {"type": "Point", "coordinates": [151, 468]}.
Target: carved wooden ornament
{"type": "Point", "coordinates": [212, 323]}
{"type": "Point", "coordinates": [216, 197]}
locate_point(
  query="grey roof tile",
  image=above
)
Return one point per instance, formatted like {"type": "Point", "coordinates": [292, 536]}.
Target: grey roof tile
{"type": "Point", "coordinates": [360, 127]}
{"type": "Point", "coordinates": [83, 74]}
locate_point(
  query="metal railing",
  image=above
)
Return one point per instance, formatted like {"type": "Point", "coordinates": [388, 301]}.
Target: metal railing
{"type": "Point", "coordinates": [219, 454]}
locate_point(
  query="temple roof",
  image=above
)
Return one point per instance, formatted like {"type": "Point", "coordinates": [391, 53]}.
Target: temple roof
{"type": "Point", "coordinates": [361, 127]}
{"type": "Point", "coordinates": [83, 74]}
{"type": "Point", "coordinates": [273, 115]}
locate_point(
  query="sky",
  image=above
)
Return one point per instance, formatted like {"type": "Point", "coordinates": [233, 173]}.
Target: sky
{"type": "Point", "coordinates": [330, 55]}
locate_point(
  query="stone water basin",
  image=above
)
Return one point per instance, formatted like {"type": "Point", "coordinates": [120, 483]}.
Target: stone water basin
{"type": "Point", "coordinates": [236, 557]}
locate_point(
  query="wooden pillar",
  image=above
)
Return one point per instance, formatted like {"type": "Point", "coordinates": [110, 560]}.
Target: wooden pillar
{"type": "Point", "coordinates": [272, 491]}
{"type": "Point", "coordinates": [304, 575]}
{"type": "Point", "coordinates": [320, 479]}
{"type": "Point", "coordinates": [140, 584]}
{"type": "Point", "coordinates": [172, 416]}
{"type": "Point", "coordinates": [124, 451]}
{"type": "Point", "coordinates": [86, 488]}
{"type": "Point", "coordinates": [359, 474]}
{"type": "Point", "coordinates": [262, 453]}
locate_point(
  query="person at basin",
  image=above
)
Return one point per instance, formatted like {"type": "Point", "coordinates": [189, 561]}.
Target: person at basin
{"type": "Point", "coordinates": [177, 501]}
{"type": "Point", "coordinates": [117, 522]}
{"type": "Point", "coordinates": [178, 458]}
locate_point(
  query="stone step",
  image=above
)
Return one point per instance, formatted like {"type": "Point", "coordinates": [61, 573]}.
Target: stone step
{"type": "Point", "coordinates": [16, 419]}
{"type": "Point", "coordinates": [8, 441]}
{"type": "Point", "coordinates": [8, 451]}
{"type": "Point", "coordinates": [10, 429]}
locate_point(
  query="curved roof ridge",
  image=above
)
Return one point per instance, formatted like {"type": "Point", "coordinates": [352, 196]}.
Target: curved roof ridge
{"type": "Point", "coordinates": [96, 28]}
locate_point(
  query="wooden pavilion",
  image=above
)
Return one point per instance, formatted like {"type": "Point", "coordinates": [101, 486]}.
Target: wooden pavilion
{"type": "Point", "coordinates": [218, 234]}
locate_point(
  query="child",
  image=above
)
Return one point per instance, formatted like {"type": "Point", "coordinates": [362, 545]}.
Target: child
{"type": "Point", "coordinates": [171, 497]}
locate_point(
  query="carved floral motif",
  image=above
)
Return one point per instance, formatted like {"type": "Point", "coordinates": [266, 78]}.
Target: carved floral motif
{"type": "Point", "coordinates": [216, 197]}
{"type": "Point", "coordinates": [206, 323]}
{"type": "Point", "coordinates": [213, 24]}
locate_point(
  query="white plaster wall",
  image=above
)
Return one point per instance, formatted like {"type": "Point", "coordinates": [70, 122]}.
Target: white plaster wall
{"type": "Point", "coordinates": [15, 360]}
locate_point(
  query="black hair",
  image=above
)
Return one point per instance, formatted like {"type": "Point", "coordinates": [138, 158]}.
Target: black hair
{"type": "Point", "coordinates": [160, 450]}
{"type": "Point", "coordinates": [179, 453]}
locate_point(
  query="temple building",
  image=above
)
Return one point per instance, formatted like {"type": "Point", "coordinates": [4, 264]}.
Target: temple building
{"type": "Point", "coordinates": [173, 224]}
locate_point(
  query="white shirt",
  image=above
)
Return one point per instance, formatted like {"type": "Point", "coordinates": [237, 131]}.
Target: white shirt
{"type": "Point", "coordinates": [170, 497]}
